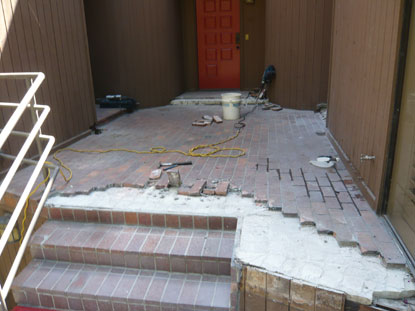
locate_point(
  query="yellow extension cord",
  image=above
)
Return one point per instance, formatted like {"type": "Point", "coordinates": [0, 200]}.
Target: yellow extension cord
{"type": "Point", "coordinates": [160, 150]}
{"type": "Point", "coordinates": [155, 150]}
{"type": "Point", "coordinates": [27, 202]}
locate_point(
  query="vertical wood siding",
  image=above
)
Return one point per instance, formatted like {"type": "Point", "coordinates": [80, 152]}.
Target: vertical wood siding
{"type": "Point", "coordinates": [189, 34]}
{"type": "Point", "coordinates": [363, 65]}
{"type": "Point", "coordinates": [297, 43]}
{"type": "Point", "coordinates": [252, 50]}
{"type": "Point", "coordinates": [47, 36]}
{"type": "Point", "coordinates": [136, 49]}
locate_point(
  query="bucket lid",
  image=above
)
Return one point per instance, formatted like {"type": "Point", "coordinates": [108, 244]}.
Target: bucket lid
{"type": "Point", "coordinates": [232, 95]}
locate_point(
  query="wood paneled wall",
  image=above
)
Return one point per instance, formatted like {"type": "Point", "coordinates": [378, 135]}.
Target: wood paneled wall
{"type": "Point", "coordinates": [363, 67]}
{"type": "Point", "coordinates": [252, 50]}
{"type": "Point", "coordinates": [47, 36]}
{"type": "Point", "coordinates": [297, 43]}
{"type": "Point", "coordinates": [136, 49]}
{"type": "Point", "coordinates": [189, 32]}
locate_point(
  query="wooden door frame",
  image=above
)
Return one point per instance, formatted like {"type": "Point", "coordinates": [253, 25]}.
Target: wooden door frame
{"type": "Point", "coordinates": [399, 84]}
{"type": "Point", "coordinates": [393, 135]}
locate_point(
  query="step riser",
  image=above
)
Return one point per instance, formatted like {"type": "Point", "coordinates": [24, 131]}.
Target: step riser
{"type": "Point", "coordinates": [85, 287]}
{"type": "Point", "coordinates": [180, 264]}
{"type": "Point", "coordinates": [173, 250]}
{"type": "Point", "coordinates": [142, 219]}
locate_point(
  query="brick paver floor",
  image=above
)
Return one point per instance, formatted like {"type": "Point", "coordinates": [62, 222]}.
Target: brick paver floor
{"type": "Point", "coordinates": [275, 169]}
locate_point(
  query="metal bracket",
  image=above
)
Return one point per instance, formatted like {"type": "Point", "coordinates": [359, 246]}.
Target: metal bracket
{"type": "Point", "coordinates": [365, 157]}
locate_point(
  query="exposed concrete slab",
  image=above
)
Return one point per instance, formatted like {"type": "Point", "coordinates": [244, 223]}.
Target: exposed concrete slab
{"type": "Point", "coordinates": [211, 98]}
{"type": "Point", "coordinates": [268, 240]}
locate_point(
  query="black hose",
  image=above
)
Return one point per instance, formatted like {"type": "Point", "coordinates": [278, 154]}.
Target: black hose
{"type": "Point", "coordinates": [241, 124]}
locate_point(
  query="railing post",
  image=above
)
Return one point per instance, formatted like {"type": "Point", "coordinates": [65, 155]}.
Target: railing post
{"type": "Point", "coordinates": [33, 82]}
{"type": "Point", "coordinates": [3, 305]}
{"type": "Point", "coordinates": [34, 115]}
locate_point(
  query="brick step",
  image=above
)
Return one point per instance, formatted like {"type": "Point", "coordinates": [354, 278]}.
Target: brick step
{"type": "Point", "coordinates": [69, 286]}
{"type": "Point", "coordinates": [162, 249]}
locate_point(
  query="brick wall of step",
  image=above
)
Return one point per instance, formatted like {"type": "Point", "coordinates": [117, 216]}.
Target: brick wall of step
{"type": "Point", "coordinates": [162, 263]}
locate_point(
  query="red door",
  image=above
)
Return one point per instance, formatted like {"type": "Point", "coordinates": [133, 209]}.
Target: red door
{"type": "Point", "coordinates": [218, 27]}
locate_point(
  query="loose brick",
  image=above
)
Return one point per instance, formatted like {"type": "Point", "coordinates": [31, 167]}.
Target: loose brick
{"type": "Point", "coordinates": [163, 182]}
{"type": "Point", "coordinates": [156, 174]}
{"type": "Point", "coordinates": [217, 119]}
{"type": "Point", "coordinates": [197, 188]}
{"type": "Point", "coordinates": [184, 190]}
{"type": "Point", "coordinates": [209, 191]}
{"type": "Point", "coordinates": [222, 188]}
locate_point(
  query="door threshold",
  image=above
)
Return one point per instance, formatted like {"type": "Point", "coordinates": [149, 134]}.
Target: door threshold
{"type": "Point", "coordinates": [410, 261]}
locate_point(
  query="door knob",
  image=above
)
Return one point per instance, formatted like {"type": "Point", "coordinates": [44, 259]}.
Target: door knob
{"type": "Point", "coordinates": [365, 157]}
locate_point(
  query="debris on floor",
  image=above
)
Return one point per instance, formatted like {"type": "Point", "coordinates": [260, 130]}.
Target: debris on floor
{"type": "Point", "coordinates": [325, 161]}
{"type": "Point", "coordinates": [207, 120]}
{"type": "Point", "coordinates": [271, 106]}
{"type": "Point", "coordinates": [156, 174]}
{"type": "Point", "coordinates": [199, 123]}
{"type": "Point", "coordinates": [217, 119]}
{"type": "Point", "coordinates": [322, 164]}
{"type": "Point", "coordinates": [174, 178]}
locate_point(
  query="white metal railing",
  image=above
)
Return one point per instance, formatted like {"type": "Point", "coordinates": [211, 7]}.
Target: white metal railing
{"type": "Point", "coordinates": [38, 114]}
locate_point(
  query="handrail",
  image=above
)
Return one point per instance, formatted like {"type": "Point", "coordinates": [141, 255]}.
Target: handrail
{"type": "Point", "coordinates": [33, 82]}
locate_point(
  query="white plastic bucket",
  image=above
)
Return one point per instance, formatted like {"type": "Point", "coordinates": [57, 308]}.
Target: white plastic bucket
{"type": "Point", "coordinates": [231, 104]}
